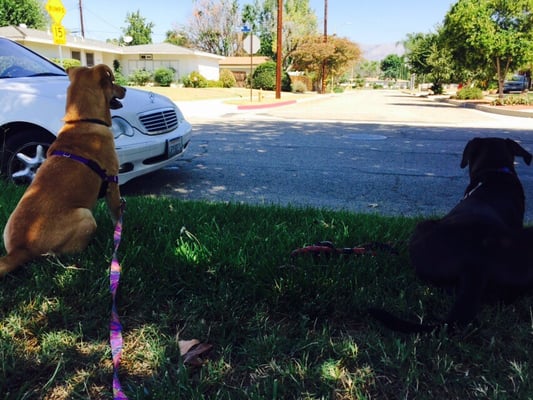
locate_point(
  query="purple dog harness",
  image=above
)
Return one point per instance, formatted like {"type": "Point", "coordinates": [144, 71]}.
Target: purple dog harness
{"type": "Point", "coordinates": [92, 165]}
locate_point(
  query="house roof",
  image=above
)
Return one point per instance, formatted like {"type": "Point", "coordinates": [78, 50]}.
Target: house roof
{"type": "Point", "coordinates": [22, 34]}
{"type": "Point", "coordinates": [165, 48]}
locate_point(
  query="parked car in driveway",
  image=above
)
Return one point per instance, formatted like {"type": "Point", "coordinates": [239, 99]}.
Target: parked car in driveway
{"type": "Point", "coordinates": [150, 131]}
{"type": "Point", "coordinates": [518, 83]}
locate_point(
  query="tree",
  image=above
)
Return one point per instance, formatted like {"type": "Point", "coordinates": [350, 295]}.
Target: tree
{"type": "Point", "coordinates": [337, 54]}
{"type": "Point", "coordinates": [491, 35]}
{"type": "Point", "coordinates": [262, 19]}
{"type": "Point", "coordinates": [214, 25]}
{"type": "Point", "coordinates": [391, 66]}
{"type": "Point", "coordinates": [367, 69]}
{"type": "Point", "coordinates": [178, 37]}
{"type": "Point", "coordinates": [28, 12]}
{"type": "Point", "coordinates": [299, 21]}
{"type": "Point", "coordinates": [427, 56]}
{"type": "Point", "coordinates": [138, 29]}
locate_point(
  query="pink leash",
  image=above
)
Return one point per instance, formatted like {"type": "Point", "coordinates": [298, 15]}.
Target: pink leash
{"type": "Point", "coordinates": [115, 327]}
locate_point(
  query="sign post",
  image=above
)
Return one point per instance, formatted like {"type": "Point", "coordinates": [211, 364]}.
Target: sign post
{"type": "Point", "coordinates": [250, 44]}
{"type": "Point", "coordinates": [57, 11]}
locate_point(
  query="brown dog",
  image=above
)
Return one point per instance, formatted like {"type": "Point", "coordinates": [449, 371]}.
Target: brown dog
{"type": "Point", "coordinates": [480, 248]}
{"type": "Point", "coordinates": [54, 214]}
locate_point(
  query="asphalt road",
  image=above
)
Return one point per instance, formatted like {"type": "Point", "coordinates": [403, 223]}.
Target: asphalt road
{"type": "Point", "coordinates": [378, 152]}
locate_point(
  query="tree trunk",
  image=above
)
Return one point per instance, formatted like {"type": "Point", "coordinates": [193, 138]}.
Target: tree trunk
{"type": "Point", "coordinates": [501, 78]}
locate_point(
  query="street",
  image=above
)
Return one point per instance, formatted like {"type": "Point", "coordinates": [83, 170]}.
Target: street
{"type": "Point", "coordinates": [380, 152]}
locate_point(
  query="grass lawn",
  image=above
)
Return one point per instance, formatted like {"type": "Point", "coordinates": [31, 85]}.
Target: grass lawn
{"type": "Point", "coordinates": [231, 95]}
{"type": "Point", "coordinates": [280, 328]}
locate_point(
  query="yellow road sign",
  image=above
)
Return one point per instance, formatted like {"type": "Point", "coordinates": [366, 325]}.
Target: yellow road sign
{"type": "Point", "coordinates": [59, 33]}
{"type": "Point", "coordinates": [56, 10]}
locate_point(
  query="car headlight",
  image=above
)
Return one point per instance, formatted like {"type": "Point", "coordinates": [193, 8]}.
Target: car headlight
{"type": "Point", "coordinates": [120, 127]}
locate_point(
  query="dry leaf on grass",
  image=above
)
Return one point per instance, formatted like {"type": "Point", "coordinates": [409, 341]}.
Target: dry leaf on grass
{"type": "Point", "coordinates": [192, 350]}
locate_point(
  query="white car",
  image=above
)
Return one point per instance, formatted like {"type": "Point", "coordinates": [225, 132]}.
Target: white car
{"type": "Point", "coordinates": [150, 131]}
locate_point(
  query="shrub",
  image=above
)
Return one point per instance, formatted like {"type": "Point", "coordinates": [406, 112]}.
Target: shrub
{"type": "Point", "coordinates": [214, 84]}
{"type": "Point", "coordinates": [470, 93]}
{"type": "Point", "coordinates": [299, 87]}
{"type": "Point", "coordinates": [227, 79]}
{"type": "Point", "coordinates": [164, 76]}
{"type": "Point", "coordinates": [116, 66]}
{"type": "Point", "coordinates": [286, 85]}
{"type": "Point", "coordinates": [513, 100]}
{"type": "Point", "coordinates": [120, 79]}
{"type": "Point", "coordinates": [264, 76]}
{"type": "Point", "coordinates": [66, 63]}
{"type": "Point", "coordinates": [195, 80]}
{"type": "Point", "coordinates": [437, 88]}
{"type": "Point", "coordinates": [140, 77]}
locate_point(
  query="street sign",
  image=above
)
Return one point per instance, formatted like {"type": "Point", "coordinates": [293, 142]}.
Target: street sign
{"type": "Point", "coordinates": [59, 34]}
{"type": "Point", "coordinates": [251, 44]}
{"type": "Point", "coordinates": [56, 10]}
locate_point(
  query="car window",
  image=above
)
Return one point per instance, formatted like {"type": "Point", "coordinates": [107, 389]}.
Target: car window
{"type": "Point", "coordinates": [16, 61]}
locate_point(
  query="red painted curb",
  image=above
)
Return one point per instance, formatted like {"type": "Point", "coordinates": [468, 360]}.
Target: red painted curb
{"type": "Point", "coordinates": [259, 106]}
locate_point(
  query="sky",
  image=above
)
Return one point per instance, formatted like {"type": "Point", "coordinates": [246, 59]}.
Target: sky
{"type": "Point", "coordinates": [363, 22]}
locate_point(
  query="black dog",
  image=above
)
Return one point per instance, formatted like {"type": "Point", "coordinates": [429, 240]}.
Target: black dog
{"type": "Point", "coordinates": [480, 248]}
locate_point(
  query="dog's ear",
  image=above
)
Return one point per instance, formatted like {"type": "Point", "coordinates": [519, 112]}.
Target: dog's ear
{"type": "Point", "coordinates": [105, 72]}
{"type": "Point", "coordinates": [467, 152]}
{"type": "Point", "coordinates": [72, 71]}
{"type": "Point", "coordinates": [519, 151]}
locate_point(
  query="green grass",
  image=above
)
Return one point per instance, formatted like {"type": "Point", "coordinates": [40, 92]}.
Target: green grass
{"type": "Point", "coordinates": [280, 328]}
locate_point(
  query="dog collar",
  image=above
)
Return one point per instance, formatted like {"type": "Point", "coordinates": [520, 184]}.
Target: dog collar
{"type": "Point", "coordinates": [505, 170]}
{"type": "Point", "coordinates": [90, 120]}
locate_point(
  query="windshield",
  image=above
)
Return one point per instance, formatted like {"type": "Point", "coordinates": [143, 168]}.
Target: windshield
{"type": "Point", "coordinates": [517, 78]}
{"type": "Point", "coordinates": [17, 61]}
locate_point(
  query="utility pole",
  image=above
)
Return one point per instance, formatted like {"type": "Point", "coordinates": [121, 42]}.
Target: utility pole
{"type": "Point", "coordinates": [81, 20]}
{"type": "Point", "coordinates": [279, 49]}
{"type": "Point", "coordinates": [323, 88]}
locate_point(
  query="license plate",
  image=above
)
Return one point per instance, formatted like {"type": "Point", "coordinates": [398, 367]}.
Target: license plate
{"type": "Point", "coordinates": [174, 146]}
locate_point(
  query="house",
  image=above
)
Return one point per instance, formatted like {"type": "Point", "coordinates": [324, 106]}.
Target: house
{"type": "Point", "coordinates": [241, 66]}
{"type": "Point", "coordinates": [90, 52]}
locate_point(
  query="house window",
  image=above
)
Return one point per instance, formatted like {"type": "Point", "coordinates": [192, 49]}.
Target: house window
{"type": "Point", "coordinates": [90, 59]}
{"type": "Point", "coordinates": [76, 55]}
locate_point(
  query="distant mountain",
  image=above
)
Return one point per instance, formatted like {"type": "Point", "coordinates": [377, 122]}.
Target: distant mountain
{"type": "Point", "coordinates": [377, 52]}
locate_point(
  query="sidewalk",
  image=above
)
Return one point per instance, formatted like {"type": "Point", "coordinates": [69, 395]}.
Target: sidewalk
{"type": "Point", "coordinates": [219, 107]}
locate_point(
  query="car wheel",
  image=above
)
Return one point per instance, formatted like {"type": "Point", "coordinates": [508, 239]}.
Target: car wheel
{"type": "Point", "coordinates": [24, 153]}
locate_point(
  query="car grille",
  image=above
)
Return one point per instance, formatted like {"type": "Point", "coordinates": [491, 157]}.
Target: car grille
{"type": "Point", "coordinates": [160, 121]}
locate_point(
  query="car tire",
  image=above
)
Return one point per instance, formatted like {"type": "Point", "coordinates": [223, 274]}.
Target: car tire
{"type": "Point", "coordinates": [23, 154]}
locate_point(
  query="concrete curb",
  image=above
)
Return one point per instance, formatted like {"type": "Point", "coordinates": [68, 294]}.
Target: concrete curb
{"type": "Point", "coordinates": [490, 109]}
{"type": "Point", "coordinates": [267, 105]}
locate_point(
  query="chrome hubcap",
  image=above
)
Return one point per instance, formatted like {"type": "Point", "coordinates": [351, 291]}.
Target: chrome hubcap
{"type": "Point", "coordinates": [29, 165]}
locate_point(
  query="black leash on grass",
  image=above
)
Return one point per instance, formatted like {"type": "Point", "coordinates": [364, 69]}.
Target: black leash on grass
{"type": "Point", "coordinates": [328, 249]}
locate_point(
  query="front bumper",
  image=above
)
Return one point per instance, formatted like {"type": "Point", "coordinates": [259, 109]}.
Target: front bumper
{"type": "Point", "coordinates": [142, 154]}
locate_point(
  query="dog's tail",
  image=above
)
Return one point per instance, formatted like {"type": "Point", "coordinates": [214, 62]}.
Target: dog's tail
{"type": "Point", "coordinates": [399, 325]}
